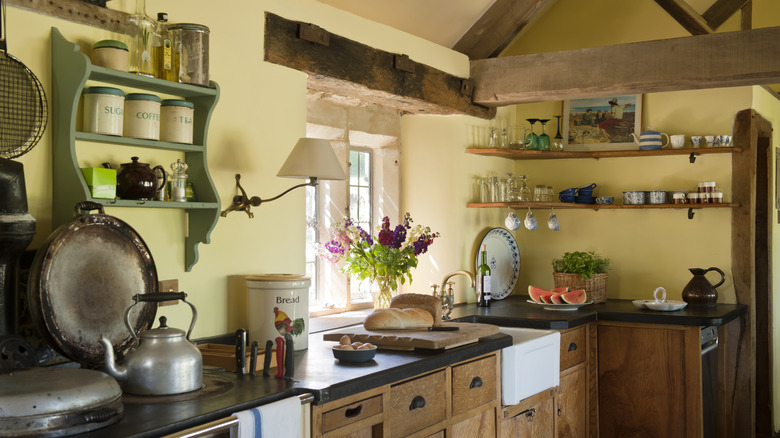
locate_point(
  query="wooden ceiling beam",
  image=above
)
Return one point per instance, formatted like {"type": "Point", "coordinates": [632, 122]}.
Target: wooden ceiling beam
{"type": "Point", "coordinates": [684, 14]}
{"type": "Point", "coordinates": [496, 28]}
{"type": "Point", "coordinates": [748, 57]}
{"type": "Point", "coordinates": [722, 10]}
{"type": "Point", "coordinates": [339, 65]}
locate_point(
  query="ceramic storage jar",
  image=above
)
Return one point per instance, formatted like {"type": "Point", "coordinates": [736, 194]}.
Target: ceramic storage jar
{"type": "Point", "coordinates": [111, 54]}
{"type": "Point", "coordinates": [142, 116]}
{"type": "Point", "coordinates": [103, 110]}
{"type": "Point", "coordinates": [176, 117]}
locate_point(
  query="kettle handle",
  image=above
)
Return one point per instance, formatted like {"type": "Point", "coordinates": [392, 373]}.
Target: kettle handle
{"type": "Point", "coordinates": [157, 298]}
{"type": "Point", "coordinates": [722, 276]}
{"type": "Point", "coordinates": [164, 179]}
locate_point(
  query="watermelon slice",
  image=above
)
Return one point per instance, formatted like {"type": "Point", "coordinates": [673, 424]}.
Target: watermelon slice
{"type": "Point", "coordinates": [575, 297]}
{"type": "Point", "coordinates": [556, 298]}
{"type": "Point", "coordinates": [536, 292]}
{"type": "Point", "coordinates": [560, 289]}
{"type": "Point", "coordinates": [547, 297]}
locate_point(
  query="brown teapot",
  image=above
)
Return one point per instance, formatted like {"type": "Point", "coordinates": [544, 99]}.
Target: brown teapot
{"type": "Point", "coordinates": [699, 291]}
{"type": "Point", "coordinates": [138, 181]}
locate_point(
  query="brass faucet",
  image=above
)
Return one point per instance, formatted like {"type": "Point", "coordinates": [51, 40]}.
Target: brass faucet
{"type": "Point", "coordinates": [448, 298]}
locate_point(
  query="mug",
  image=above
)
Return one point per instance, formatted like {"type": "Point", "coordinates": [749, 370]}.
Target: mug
{"type": "Point", "coordinates": [678, 198]}
{"type": "Point", "coordinates": [696, 140]}
{"type": "Point", "coordinates": [656, 197]}
{"type": "Point", "coordinates": [512, 221]}
{"type": "Point", "coordinates": [678, 141]}
{"type": "Point", "coordinates": [635, 197]}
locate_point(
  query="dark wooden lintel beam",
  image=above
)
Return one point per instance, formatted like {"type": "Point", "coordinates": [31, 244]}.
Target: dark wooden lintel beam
{"type": "Point", "coordinates": [749, 57]}
{"type": "Point", "coordinates": [78, 12]}
{"type": "Point", "coordinates": [496, 28]}
{"type": "Point", "coordinates": [686, 16]}
{"type": "Point", "coordinates": [370, 74]}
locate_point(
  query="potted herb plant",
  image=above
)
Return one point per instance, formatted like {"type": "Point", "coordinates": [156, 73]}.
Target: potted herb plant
{"type": "Point", "coordinates": [582, 270]}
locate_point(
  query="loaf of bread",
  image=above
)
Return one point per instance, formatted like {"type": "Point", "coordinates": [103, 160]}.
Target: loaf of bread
{"type": "Point", "coordinates": [428, 303]}
{"type": "Point", "coordinates": [398, 319]}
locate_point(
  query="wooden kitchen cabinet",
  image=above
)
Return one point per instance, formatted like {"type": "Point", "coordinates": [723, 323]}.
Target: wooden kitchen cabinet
{"type": "Point", "coordinates": [650, 381]}
{"type": "Point", "coordinates": [71, 70]}
{"type": "Point", "coordinates": [533, 417]}
{"type": "Point", "coordinates": [460, 400]}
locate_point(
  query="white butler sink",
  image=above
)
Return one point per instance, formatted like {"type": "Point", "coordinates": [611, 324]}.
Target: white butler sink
{"type": "Point", "coordinates": [530, 365]}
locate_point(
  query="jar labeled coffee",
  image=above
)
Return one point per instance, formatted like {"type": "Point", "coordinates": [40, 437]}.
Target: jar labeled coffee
{"type": "Point", "coordinates": [191, 52]}
{"type": "Point", "coordinates": [142, 116]}
{"type": "Point", "coordinates": [111, 54]}
{"type": "Point", "coordinates": [103, 110]}
{"type": "Point", "coordinates": [176, 120]}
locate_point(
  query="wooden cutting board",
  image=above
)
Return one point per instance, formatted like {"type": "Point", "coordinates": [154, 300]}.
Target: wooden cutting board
{"type": "Point", "coordinates": [411, 339]}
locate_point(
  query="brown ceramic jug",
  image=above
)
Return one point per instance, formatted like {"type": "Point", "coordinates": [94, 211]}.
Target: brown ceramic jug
{"type": "Point", "coordinates": [138, 181]}
{"type": "Point", "coordinates": [699, 291]}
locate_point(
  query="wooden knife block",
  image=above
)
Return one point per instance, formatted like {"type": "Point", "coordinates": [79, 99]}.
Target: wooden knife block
{"type": "Point", "coordinates": [220, 355]}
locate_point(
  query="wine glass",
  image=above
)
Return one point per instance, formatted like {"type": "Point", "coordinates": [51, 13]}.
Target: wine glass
{"type": "Point", "coordinates": [557, 143]}
{"type": "Point", "coordinates": [532, 140]}
{"type": "Point", "coordinates": [544, 139]}
{"type": "Point", "coordinates": [524, 193]}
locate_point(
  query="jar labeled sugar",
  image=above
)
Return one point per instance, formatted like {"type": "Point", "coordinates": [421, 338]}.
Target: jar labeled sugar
{"type": "Point", "coordinates": [176, 118]}
{"type": "Point", "coordinates": [111, 54]}
{"type": "Point", "coordinates": [103, 110]}
{"type": "Point", "coordinates": [142, 116]}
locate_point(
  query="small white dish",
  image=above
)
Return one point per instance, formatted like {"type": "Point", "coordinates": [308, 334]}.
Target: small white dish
{"type": "Point", "coordinates": [666, 306]}
{"type": "Point", "coordinates": [560, 307]}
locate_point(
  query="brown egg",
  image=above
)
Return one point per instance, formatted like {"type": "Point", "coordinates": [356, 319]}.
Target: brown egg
{"type": "Point", "coordinates": [345, 340]}
{"type": "Point", "coordinates": [356, 345]}
{"type": "Point", "coordinates": [370, 346]}
{"type": "Point", "coordinates": [364, 347]}
{"type": "Point", "coordinates": [347, 347]}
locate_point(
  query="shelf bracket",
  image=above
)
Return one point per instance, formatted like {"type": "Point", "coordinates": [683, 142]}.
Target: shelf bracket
{"type": "Point", "coordinates": [692, 157]}
{"type": "Point", "coordinates": [690, 211]}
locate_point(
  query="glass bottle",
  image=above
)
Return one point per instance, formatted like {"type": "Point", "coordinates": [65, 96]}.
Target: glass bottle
{"type": "Point", "coordinates": [163, 49]}
{"type": "Point", "coordinates": [179, 181]}
{"type": "Point", "coordinates": [483, 279]}
{"type": "Point", "coordinates": [142, 41]}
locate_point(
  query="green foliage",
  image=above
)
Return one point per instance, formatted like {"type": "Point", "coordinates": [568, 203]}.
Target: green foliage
{"type": "Point", "coordinates": [577, 262]}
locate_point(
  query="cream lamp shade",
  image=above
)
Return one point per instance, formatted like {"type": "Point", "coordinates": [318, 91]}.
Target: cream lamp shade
{"type": "Point", "coordinates": [312, 158]}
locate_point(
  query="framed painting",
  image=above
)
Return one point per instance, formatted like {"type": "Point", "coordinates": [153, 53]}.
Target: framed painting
{"type": "Point", "coordinates": [602, 123]}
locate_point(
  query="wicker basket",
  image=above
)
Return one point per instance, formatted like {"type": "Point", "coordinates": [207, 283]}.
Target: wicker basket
{"type": "Point", "coordinates": [595, 286]}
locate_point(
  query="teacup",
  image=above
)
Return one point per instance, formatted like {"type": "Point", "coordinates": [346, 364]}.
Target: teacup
{"type": "Point", "coordinates": [724, 140]}
{"type": "Point", "coordinates": [512, 221]}
{"type": "Point", "coordinates": [696, 140]}
{"type": "Point", "coordinates": [656, 197]}
{"type": "Point", "coordinates": [662, 292]}
{"type": "Point", "coordinates": [605, 200]}
{"type": "Point", "coordinates": [710, 139]}
{"type": "Point", "coordinates": [677, 141]}
{"type": "Point", "coordinates": [634, 197]}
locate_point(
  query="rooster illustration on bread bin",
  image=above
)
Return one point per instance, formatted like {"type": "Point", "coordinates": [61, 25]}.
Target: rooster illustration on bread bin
{"type": "Point", "coordinates": [285, 325]}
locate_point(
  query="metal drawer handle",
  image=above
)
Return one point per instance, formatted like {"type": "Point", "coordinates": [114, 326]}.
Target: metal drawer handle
{"type": "Point", "coordinates": [560, 411]}
{"type": "Point", "coordinates": [530, 415]}
{"type": "Point", "coordinates": [572, 346]}
{"type": "Point", "coordinates": [476, 382]}
{"type": "Point", "coordinates": [417, 403]}
{"type": "Point", "coordinates": [353, 412]}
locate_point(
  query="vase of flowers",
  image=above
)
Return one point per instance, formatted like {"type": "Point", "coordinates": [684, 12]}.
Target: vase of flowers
{"type": "Point", "coordinates": [386, 259]}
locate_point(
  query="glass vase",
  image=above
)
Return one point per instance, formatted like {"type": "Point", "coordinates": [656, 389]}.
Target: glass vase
{"type": "Point", "coordinates": [383, 296]}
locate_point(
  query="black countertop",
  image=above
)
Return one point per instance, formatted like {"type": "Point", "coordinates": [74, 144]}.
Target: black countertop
{"type": "Point", "coordinates": [516, 311]}
{"type": "Point", "coordinates": [318, 373]}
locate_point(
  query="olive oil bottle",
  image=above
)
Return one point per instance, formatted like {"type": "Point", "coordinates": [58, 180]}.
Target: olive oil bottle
{"type": "Point", "coordinates": [163, 49]}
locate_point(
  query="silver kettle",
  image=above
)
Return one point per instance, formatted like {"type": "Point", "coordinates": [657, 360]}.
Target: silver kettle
{"type": "Point", "coordinates": [164, 361]}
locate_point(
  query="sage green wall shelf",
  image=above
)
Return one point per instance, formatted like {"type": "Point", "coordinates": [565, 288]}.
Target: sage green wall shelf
{"type": "Point", "coordinates": [70, 72]}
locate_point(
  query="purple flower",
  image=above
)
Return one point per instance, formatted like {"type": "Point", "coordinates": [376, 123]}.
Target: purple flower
{"type": "Point", "coordinates": [399, 236]}
{"type": "Point", "coordinates": [365, 237]}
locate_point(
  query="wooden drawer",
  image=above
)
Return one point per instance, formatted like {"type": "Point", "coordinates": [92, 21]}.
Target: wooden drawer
{"type": "Point", "coordinates": [352, 413]}
{"type": "Point", "coordinates": [473, 384]}
{"type": "Point", "coordinates": [573, 347]}
{"type": "Point", "coordinates": [417, 403]}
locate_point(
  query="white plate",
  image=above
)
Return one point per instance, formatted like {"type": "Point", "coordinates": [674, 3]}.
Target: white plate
{"type": "Point", "coordinates": [563, 307]}
{"type": "Point", "coordinates": [664, 306]}
{"type": "Point", "coordinates": [503, 257]}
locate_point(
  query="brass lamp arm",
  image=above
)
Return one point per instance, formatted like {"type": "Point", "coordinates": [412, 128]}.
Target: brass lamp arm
{"type": "Point", "coordinates": [245, 203]}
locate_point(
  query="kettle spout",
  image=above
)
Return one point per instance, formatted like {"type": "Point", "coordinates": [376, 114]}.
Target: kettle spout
{"type": "Point", "coordinates": [112, 369]}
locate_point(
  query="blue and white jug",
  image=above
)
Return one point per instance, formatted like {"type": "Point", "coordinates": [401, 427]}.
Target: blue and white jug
{"type": "Point", "coordinates": [649, 140]}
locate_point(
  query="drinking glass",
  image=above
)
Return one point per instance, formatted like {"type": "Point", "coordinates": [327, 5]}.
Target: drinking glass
{"type": "Point", "coordinates": [544, 139]}
{"type": "Point", "coordinates": [493, 137]}
{"type": "Point", "coordinates": [540, 193]}
{"type": "Point", "coordinates": [557, 143]}
{"type": "Point", "coordinates": [524, 193]}
{"type": "Point", "coordinates": [516, 137]}
{"type": "Point", "coordinates": [532, 140]}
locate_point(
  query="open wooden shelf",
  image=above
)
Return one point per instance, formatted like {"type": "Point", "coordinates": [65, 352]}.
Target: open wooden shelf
{"type": "Point", "coordinates": [523, 154]}
{"type": "Point", "coordinates": [564, 205]}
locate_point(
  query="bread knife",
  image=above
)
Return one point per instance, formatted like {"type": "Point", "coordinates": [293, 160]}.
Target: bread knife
{"type": "Point", "coordinates": [443, 328]}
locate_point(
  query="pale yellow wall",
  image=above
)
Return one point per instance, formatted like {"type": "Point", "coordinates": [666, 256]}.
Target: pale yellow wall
{"type": "Point", "coordinates": [260, 115]}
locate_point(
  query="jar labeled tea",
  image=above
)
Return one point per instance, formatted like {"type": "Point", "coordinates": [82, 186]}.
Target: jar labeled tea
{"type": "Point", "coordinates": [176, 120]}
{"type": "Point", "coordinates": [142, 116]}
{"type": "Point", "coordinates": [103, 110]}
{"type": "Point", "coordinates": [191, 53]}
{"type": "Point", "coordinates": [111, 54]}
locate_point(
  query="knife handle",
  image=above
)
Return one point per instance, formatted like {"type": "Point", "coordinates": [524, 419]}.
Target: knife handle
{"type": "Point", "coordinates": [289, 359]}
{"type": "Point", "coordinates": [269, 348]}
{"type": "Point", "coordinates": [253, 358]}
{"type": "Point", "coordinates": [241, 351]}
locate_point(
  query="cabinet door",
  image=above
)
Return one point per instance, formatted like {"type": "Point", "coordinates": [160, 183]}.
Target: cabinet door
{"type": "Point", "coordinates": [479, 425]}
{"type": "Point", "coordinates": [571, 403]}
{"type": "Point", "coordinates": [535, 422]}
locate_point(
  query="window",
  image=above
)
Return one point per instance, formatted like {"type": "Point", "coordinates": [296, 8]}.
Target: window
{"type": "Point", "coordinates": [366, 140]}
